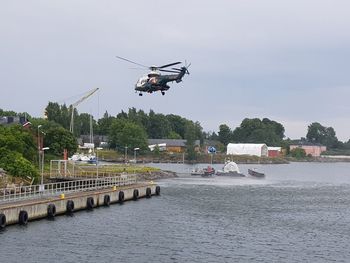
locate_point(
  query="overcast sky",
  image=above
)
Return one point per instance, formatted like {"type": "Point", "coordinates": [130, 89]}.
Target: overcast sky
{"type": "Point", "coordinates": [287, 60]}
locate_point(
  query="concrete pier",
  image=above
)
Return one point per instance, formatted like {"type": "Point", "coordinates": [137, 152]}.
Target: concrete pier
{"type": "Point", "coordinates": [56, 205]}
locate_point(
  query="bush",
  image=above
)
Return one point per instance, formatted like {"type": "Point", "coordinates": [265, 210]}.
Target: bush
{"type": "Point", "coordinates": [298, 153]}
{"type": "Point", "coordinates": [15, 164]}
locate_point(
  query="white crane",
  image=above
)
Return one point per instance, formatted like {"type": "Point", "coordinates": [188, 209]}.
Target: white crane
{"type": "Point", "coordinates": [74, 105]}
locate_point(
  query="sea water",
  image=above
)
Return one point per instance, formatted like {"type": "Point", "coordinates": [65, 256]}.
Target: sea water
{"type": "Point", "coordinates": [298, 213]}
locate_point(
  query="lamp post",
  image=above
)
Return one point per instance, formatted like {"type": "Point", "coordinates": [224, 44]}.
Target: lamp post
{"type": "Point", "coordinates": [126, 154]}
{"type": "Point", "coordinates": [97, 149]}
{"type": "Point", "coordinates": [39, 147]}
{"type": "Point", "coordinates": [135, 149]}
{"type": "Point", "coordinates": [42, 168]}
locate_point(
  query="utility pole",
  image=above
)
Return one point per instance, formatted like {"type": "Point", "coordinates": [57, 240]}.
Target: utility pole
{"type": "Point", "coordinates": [39, 147]}
{"type": "Point", "coordinates": [126, 153]}
{"type": "Point", "coordinates": [135, 149]}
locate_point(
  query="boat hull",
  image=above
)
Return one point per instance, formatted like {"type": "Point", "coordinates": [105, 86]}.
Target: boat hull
{"type": "Point", "coordinates": [230, 174]}
{"type": "Point", "coordinates": [256, 174]}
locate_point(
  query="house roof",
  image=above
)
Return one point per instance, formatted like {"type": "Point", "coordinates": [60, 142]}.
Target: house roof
{"type": "Point", "coordinates": [6, 120]}
{"type": "Point", "coordinates": [304, 143]}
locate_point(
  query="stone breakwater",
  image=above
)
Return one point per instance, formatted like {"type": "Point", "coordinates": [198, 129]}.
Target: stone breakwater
{"type": "Point", "coordinates": [155, 175]}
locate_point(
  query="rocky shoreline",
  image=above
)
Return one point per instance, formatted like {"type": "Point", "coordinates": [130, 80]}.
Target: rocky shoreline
{"type": "Point", "coordinates": [156, 175]}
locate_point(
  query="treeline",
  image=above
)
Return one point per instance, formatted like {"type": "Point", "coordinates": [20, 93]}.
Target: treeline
{"type": "Point", "coordinates": [160, 126]}
{"type": "Point", "coordinates": [272, 133]}
{"type": "Point", "coordinates": [252, 131]}
{"type": "Point", "coordinates": [155, 125]}
{"type": "Point", "coordinates": [132, 128]}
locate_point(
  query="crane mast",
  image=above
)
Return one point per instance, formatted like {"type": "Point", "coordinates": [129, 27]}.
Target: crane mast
{"type": "Point", "coordinates": [75, 104]}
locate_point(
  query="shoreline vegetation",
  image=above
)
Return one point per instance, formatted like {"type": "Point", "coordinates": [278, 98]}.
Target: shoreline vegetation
{"type": "Point", "coordinates": [123, 139]}
{"type": "Point", "coordinates": [143, 173]}
{"type": "Point", "coordinates": [112, 156]}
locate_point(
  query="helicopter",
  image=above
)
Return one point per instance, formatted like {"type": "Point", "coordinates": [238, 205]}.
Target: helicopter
{"type": "Point", "coordinates": [154, 80]}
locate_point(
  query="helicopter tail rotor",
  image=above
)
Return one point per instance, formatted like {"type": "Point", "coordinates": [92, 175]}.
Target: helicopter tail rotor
{"type": "Point", "coordinates": [187, 66]}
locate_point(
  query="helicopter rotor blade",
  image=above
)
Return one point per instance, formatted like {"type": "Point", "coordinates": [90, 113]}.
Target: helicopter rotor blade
{"type": "Point", "coordinates": [171, 71]}
{"type": "Point", "coordinates": [168, 65]}
{"type": "Point", "coordinates": [132, 62]}
{"type": "Point", "coordinates": [179, 70]}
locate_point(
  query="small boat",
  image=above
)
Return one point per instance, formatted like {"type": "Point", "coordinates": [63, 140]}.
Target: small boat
{"type": "Point", "coordinates": [230, 169]}
{"type": "Point", "coordinates": [208, 171]}
{"type": "Point", "coordinates": [197, 171]}
{"type": "Point", "coordinates": [84, 158]}
{"type": "Point", "coordinates": [92, 160]}
{"type": "Point", "coordinates": [255, 173]}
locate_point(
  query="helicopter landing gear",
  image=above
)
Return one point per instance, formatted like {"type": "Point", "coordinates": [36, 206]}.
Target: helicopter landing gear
{"type": "Point", "coordinates": [163, 93]}
{"type": "Point", "coordinates": [140, 94]}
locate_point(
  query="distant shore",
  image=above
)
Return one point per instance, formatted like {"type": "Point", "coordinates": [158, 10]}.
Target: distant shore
{"type": "Point", "coordinates": [236, 159]}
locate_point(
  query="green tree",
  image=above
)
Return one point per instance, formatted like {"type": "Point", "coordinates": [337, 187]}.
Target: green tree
{"type": "Point", "coordinates": [104, 124]}
{"type": "Point", "coordinates": [7, 113]}
{"type": "Point", "coordinates": [158, 126]}
{"type": "Point", "coordinates": [53, 112]}
{"type": "Point", "coordinates": [17, 151]}
{"type": "Point", "coordinates": [59, 114]}
{"type": "Point", "coordinates": [259, 131]}
{"type": "Point", "coordinates": [83, 124]}
{"type": "Point", "coordinates": [15, 164]}
{"type": "Point", "coordinates": [17, 139]}
{"type": "Point", "coordinates": [65, 116]}
{"type": "Point", "coordinates": [174, 135]}
{"type": "Point", "coordinates": [177, 124]}
{"type": "Point", "coordinates": [190, 136]}
{"type": "Point", "coordinates": [277, 128]}
{"type": "Point", "coordinates": [126, 133]}
{"type": "Point", "coordinates": [318, 133]}
{"type": "Point", "coordinates": [58, 138]}
{"type": "Point", "coordinates": [225, 134]}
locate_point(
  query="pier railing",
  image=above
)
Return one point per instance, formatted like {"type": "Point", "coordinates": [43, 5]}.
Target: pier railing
{"type": "Point", "coordinates": [54, 189]}
{"type": "Point", "coordinates": [65, 169]}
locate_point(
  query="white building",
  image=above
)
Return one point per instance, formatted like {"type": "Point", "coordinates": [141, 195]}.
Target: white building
{"type": "Point", "coordinates": [247, 149]}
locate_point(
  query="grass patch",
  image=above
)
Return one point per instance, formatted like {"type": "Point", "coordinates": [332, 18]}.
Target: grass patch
{"type": "Point", "coordinates": [120, 168]}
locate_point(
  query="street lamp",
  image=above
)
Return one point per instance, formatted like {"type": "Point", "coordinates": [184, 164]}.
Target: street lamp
{"type": "Point", "coordinates": [42, 167]}
{"type": "Point", "coordinates": [97, 149]}
{"type": "Point", "coordinates": [39, 146]}
{"type": "Point", "coordinates": [135, 149]}
{"type": "Point", "coordinates": [126, 154]}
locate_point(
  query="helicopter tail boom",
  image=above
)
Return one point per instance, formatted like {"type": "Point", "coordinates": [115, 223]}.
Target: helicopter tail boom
{"type": "Point", "coordinates": [182, 73]}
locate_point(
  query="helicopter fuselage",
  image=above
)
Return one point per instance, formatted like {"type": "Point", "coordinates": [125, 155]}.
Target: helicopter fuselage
{"type": "Point", "coordinates": [154, 81]}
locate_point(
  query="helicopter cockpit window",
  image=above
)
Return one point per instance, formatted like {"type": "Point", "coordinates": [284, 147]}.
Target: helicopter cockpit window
{"type": "Point", "coordinates": [142, 80]}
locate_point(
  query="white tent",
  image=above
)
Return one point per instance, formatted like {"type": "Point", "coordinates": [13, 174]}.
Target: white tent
{"type": "Point", "coordinates": [231, 167]}
{"type": "Point", "coordinates": [247, 149]}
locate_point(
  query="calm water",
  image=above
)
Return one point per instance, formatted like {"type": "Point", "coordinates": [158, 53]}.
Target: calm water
{"type": "Point", "coordinates": [299, 213]}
